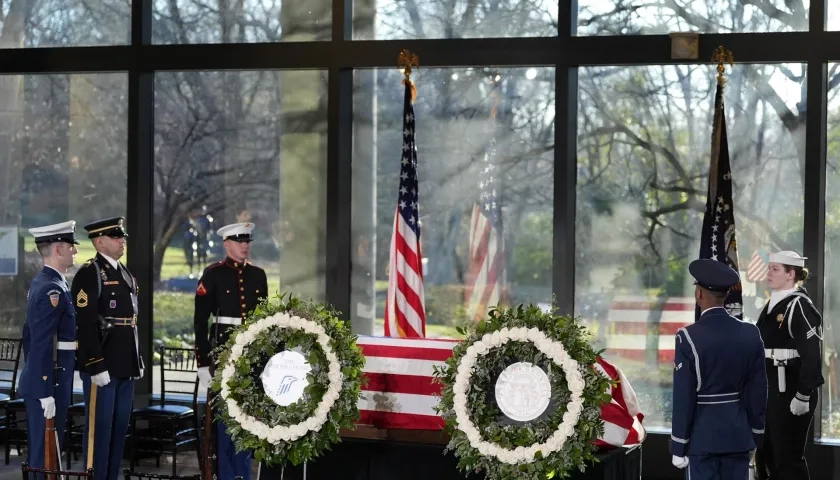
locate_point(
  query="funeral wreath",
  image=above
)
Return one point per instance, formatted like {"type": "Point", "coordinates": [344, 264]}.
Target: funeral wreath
{"type": "Point", "coordinates": [520, 398]}
{"type": "Point", "coordinates": [289, 379]}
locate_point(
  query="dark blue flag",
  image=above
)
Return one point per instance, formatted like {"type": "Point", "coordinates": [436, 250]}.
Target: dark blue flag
{"type": "Point", "coordinates": [718, 238]}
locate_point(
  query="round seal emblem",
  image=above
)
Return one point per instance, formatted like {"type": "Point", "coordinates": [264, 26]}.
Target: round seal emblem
{"type": "Point", "coordinates": [523, 391]}
{"type": "Point", "coordinates": [284, 377]}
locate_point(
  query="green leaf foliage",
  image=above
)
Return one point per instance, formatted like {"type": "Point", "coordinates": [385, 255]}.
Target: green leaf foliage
{"type": "Point", "coordinates": [579, 449]}
{"type": "Point", "coordinates": [246, 388]}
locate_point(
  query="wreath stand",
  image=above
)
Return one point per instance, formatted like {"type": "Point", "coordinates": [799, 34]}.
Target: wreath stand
{"type": "Point", "coordinates": [370, 453]}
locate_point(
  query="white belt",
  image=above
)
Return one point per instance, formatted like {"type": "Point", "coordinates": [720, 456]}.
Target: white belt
{"type": "Point", "coordinates": [66, 345]}
{"type": "Point", "coordinates": [780, 353]}
{"type": "Point", "coordinates": [229, 320]}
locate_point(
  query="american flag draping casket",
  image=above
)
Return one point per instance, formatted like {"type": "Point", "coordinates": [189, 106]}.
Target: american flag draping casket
{"type": "Point", "coordinates": [401, 394]}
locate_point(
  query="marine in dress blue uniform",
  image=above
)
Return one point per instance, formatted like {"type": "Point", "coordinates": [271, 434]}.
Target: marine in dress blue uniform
{"type": "Point", "coordinates": [720, 384]}
{"type": "Point", "coordinates": [230, 290]}
{"type": "Point", "coordinates": [109, 359]}
{"type": "Point", "coordinates": [791, 328]}
{"type": "Point", "coordinates": [49, 339]}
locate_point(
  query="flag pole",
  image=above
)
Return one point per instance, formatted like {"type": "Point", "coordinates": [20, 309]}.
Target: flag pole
{"type": "Point", "coordinates": [721, 56]}
{"type": "Point", "coordinates": [406, 60]}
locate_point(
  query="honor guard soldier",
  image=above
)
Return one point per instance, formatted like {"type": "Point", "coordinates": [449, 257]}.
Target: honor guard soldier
{"type": "Point", "coordinates": [49, 339]}
{"type": "Point", "coordinates": [230, 290]}
{"type": "Point", "coordinates": [791, 328]}
{"type": "Point", "coordinates": [109, 358]}
{"type": "Point", "coordinates": [720, 384]}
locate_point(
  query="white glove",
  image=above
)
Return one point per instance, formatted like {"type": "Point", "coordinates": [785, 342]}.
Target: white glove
{"type": "Point", "coordinates": [204, 377]}
{"type": "Point", "coordinates": [140, 376]}
{"type": "Point", "coordinates": [48, 404]}
{"type": "Point", "coordinates": [101, 379]}
{"type": "Point", "coordinates": [679, 462]}
{"type": "Point", "coordinates": [798, 407]}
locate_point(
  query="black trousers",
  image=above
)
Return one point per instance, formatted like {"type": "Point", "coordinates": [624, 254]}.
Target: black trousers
{"type": "Point", "coordinates": [782, 455]}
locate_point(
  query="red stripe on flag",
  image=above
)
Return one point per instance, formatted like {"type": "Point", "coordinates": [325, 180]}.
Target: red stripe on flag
{"type": "Point", "coordinates": [408, 421]}
{"type": "Point", "coordinates": [419, 353]}
{"type": "Point", "coordinates": [667, 307]}
{"type": "Point", "coordinates": [663, 356]}
{"type": "Point", "coordinates": [640, 328]}
{"type": "Point", "coordinates": [392, 383]}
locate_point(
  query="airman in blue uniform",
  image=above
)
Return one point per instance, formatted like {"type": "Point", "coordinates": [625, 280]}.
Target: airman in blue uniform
{"type": "Point", "coordinates": [49, 339]}
{"type": "Point", "coordinates": [720, 383]}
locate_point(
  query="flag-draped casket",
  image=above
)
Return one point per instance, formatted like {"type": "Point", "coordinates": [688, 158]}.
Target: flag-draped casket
{"type": "Point", "coordinates": [400, 392]}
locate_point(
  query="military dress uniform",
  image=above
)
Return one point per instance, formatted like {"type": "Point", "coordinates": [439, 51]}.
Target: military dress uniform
{"type": "Point", "coordinates": [229, 290]}
{"type": "Point", "coordinates": [49, 346]}
{"type": "Point", "coordinates": [791, 328]}
{"type": "Point", "coordinates": [720, 386]}
{"type": "Point", "coordinates": [109, 359]}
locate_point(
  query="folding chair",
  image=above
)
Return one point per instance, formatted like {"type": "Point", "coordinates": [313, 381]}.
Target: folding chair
{"type": "Point", "coordinates": [31, 473]}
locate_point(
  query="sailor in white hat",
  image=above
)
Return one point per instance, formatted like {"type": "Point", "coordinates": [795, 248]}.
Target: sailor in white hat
{"type": "Point", "coordinates": [791, 328]}
{"type": "Point", "coordinates": [49, 338]}
{"type": "Point", "coordinates": [230, 290]}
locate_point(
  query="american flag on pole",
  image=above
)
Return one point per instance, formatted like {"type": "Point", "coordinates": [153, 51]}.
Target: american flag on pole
{"type": "Point", "coordinates": [717, 240]}
{"type": "Point", "coordinates": [405, 314]}
{"type": "Point", "coordinates": [401, 392]}
{"type": "Point", "coordinates": [486, 268]}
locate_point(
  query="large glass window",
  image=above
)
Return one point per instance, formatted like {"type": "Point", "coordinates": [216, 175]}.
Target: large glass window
{"type": "Point", "coordinates": [237, 147]}
{"type": "Point", "coordinates": [630, 17]}
{"type": "Point", "coordinates": [644, 140]}
{"type": "Point", "coordinates": [62, 157]}
{"type": "Point", "coordinates": [468, 122]}
{"type": "Point", "coordinates": [398, 20]}
{"type": "Point", "coordinates": [249, 21]}
{"type": "Point", "coordinates": [831, 299]}
{"type": "Point", "coordinates": [54, 23]}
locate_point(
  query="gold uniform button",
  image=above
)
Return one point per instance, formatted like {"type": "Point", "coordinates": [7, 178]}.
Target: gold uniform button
{"type": "Point", "coordinates": [243, 297]}
{"type": "Point", "coordinates": [243, 305]}
{"type": "Point", "coordinates": [241, 289]}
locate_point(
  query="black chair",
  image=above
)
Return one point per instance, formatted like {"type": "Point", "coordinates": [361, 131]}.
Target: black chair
{"type": "Point", "coordinates": [129, 475]}
{"type": "Point", "coordinates": [13, 426]}
{"type": "Point", "coordinates": [31, 473]}
{"type": "Point", "coordinates": [172, 425]}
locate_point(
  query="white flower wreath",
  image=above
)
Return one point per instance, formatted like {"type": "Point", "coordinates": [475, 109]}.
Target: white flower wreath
{"type": "Point", "coordinates": [553, 350]}
{"type": "Point", "coordinates": [277, 433]}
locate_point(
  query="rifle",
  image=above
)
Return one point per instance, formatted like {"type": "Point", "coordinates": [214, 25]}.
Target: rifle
{"type": "Point", "coordinates": [52, 457]}
{"type": "Point", "coordinates": [207, 449]}
{"type": "Point", "coordinates": [207, 453]}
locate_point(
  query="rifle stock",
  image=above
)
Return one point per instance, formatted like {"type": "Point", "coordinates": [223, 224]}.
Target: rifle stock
{"type": "Point", "coordinates": [50, 458]}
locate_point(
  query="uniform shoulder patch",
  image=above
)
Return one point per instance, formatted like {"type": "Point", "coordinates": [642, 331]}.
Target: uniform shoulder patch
{"type": "Point", "coordinates": [90, 261]}
{"type": "Point", "coordinates": [82, 299]}
{"type": "Point", "coordinates": [54, 295]}
{"type": "Point", "coordinates": [201, 291]}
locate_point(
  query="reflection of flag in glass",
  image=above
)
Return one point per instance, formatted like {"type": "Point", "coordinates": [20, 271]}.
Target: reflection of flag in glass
{"type": "Point", "coordinates": [758, 268]}
{"type": "Point", "coordinates": [405, 313]}
{"type": "Point", "coordinates": [486, 269]}
{"type": "Point", "coordinates": [717, 240]}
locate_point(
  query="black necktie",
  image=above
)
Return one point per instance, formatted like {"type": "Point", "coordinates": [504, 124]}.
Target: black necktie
{"type": "Point", "coordinates": [126, 276]}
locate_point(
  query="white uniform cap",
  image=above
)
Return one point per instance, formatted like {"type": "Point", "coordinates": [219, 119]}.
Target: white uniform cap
{"type": "Point", "coordinates": [788, 257]}
{"type": "Point", "coordinates": [236, 231]}
{"type": "Point", "coordinates": [59, 232]}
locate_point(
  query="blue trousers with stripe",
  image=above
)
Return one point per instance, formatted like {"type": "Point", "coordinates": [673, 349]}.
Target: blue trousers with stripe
{"type": "Point", "coordinates": [231, 464]}
{"type": "Point", "coordinates": [726, 466]}
{"type": "Point", "coordinates": [107, 410]}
